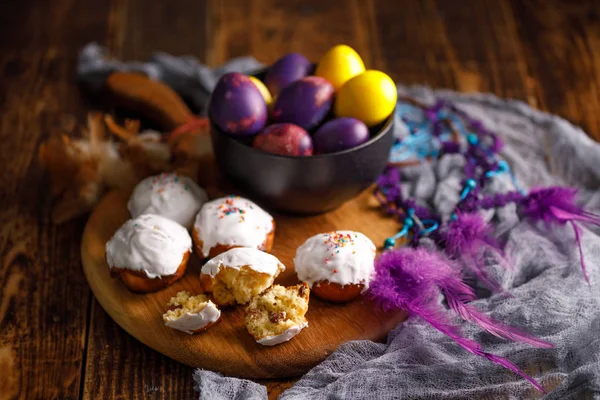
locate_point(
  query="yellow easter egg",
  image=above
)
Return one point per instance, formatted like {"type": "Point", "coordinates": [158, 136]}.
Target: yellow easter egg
{"type": "Point", "coordinates": [369, 97]}
{"type": "Point", "coordinates": [340, 64]}
{"type": "Point", "coordinates": [263, 90]}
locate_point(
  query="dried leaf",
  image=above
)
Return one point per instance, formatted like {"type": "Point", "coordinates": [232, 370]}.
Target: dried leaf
{"type": "Point", "coordinates": [81, 170]}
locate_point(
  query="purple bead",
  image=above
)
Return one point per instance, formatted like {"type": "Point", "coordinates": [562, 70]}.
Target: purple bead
{"type": "Point", "coordinates": [450, 147]}
{"type": "Point", "coordinates": [340, 134]}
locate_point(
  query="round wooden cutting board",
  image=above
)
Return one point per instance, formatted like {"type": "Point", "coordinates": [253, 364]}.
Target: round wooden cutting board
{"type": "Point", "coordinates": [227, 347]}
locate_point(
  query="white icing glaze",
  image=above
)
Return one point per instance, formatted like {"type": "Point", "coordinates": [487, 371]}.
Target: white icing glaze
{"type": "Point", "coordinates": [190, 322]}
{"type": "Point", "coordinates": [170, 195]}
{"type": "Point", "coordinates": [232, 221]}
{"type": "Point", "coordinates": [282, 337]}
{"type": "Point", "coordinates": [149, 243]}
{"type": "Point", "coordinates": [342, 257]}
{"type": "Point", "coordinates": [243, 256]}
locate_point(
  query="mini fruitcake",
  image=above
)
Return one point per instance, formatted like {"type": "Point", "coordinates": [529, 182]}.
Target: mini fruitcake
{"type": "Point", "coordinates": [277, 315]}
{"type": "Point", "coordinates": [337, 265]}
{"type": "Point", "coordinates": [239, 274]}
{"type": "Point", "coordinates": [148, 253]}
{"type": "Point", "coordinates": [169, 195]}
{"type": "Point", "coordinates": [229, 222]}
{"type": "Point", "coordinates": [191, 314]}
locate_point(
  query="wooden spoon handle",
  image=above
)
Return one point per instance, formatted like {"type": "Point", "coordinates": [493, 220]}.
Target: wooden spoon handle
{"type": "Point", "coordinates": [152, 98]}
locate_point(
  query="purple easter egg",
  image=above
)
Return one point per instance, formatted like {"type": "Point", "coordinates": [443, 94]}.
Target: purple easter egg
{"type": "Point", "coordinates": [340, 134]}
{"type": "Point", "coordinates": [236, 106]}
{"type": "Point", "coordinates": [285, 140]}
{"type": "Point", "coordinates": [305, 102]}
{"type": "Point", "coordinates": [286, 70]}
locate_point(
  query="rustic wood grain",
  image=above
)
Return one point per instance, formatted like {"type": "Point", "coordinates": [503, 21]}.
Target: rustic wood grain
{"type": "Point", "coordinates": [561, 42]}
{"type": "Point", "coordinates": [150, 26]}
{"type": "Point", "coordinates": [540, 51]}
{"type": "Point", "coordinates": [119, 366]}
{"type": "Point", "coordinates": [43, 295]}
{"type": "Point", "coordinates": [466, 45]}
{"type": "Point", "coordinates": [268, 29]}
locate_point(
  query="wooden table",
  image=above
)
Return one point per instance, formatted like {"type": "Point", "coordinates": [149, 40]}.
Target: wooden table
{"type": "Point", "coordinates": [55, 340]}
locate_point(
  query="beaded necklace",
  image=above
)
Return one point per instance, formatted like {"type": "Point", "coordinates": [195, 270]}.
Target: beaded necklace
{"type": "Point", "coordinates": [444, 129]}
{"type": "Point", "coordinates": [413, 277]}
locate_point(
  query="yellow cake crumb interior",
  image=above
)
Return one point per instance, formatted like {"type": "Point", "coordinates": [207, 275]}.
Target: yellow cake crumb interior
{"type": "Point", "coordinates": [186, 303]}
{"type": "Point", "coordinates": [233, 285]}
{"type": "Point", "coordinates": [277, 309]}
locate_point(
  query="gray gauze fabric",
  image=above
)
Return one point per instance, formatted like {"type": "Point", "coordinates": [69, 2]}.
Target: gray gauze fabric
{"type": "Point", "coordinates": [551, 298]}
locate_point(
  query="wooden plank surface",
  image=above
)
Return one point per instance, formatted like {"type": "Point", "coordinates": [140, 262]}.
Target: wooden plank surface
{"type": "Point", "coordinates": [561, 46]}
{"type": "Point", "coordinates": [55, 341]}
{"type": "Point", "coordinates": [44, 298]}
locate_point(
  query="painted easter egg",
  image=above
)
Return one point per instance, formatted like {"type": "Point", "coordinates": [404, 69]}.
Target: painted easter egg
{"type": "Point", "coordinates": [284, 139]}
{"type": "Point", "coordinates": [286, 70]}
{"type": "Point", "coordinates": [305, 102]}
{"type": "Point", "coordinates": [369, 97]}
{"type": "Point", "coordinates": [340, 64]}
{"type": "Point", "coordinates": [340, 134]}
{"type": "Point", "coordinates": [236, 106]}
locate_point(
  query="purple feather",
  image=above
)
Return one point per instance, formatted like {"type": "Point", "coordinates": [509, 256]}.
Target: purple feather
{"type": "Point", "coordinates": [511, 366]}
{"type": "Point", "coordinates": [557, 205]}
{"type": "Point", "coordinates": [407, 276]}
{"type": "Point", "coordinates": [412, 279]}
{"type": "Point", "coordinates": [578, 240]}
{"type": "Point", "coordinates": [471, 314]}
{"type": "Point", "coordinates": [464, 231]}
{"type": "Point", "coordinates": [439, 322]}
{"type": "Point", "coordinates": [468, 239]}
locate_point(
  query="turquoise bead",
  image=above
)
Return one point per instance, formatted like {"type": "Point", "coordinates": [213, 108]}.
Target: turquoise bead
{"type": "Point", "coordinates": [472, 139]}
{"type": "Point", "coordinates": [503, 166]}
{"type": "Point", "coordinates": [389, 243]}
{"type": "Point", "coordinates": [471, 183]}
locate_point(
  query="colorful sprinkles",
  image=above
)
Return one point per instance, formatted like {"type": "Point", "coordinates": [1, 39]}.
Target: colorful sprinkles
{"type": "Point", "coordinates": [229, 208]}
{"type": "Point", "coordinates": [165, 181]}
{"type": "Point", "coordinates": [336, 241]}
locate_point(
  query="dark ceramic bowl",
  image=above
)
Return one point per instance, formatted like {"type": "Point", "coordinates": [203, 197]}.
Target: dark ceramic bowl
{"type": "Point", "coordinates": [303, 185]}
